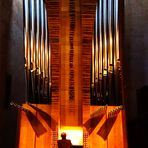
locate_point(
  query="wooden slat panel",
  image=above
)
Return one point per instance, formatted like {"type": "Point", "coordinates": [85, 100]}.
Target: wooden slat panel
{"type": "Point", "coordinates": [70, 63]}
{"type": "Point", "coordinates": [53, 11]}
{"type": "Point", "coordinates": [88, 14]}
{"type": "Point", "coordinates": [35, 131]}
{"type": "Point", "coordinates": [27, 135]}
{"type": "Point", "coordinates": [45, 140]}
{"type": "Point", "coordinates": [109, 132]}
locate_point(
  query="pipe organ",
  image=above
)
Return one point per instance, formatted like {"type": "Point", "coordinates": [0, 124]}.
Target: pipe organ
{"type": "Point", "coordinates": [106, 69]}
{"type": "Point", "coordinates": [92, 117]}
{"type": "Point", "coordinates": [37, 52]}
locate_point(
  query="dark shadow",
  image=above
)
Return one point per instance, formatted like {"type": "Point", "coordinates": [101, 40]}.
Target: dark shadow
{"type": "Point", "coordinates": [106, 127]}
{"type": "Point", "coordinates": [6, 9]}
{"type": "Point", "coordinates": [8, 124]}
{"type": "Point", "coordinates": [37, 126]}
{"type": "Point", "coordinates": [95, 118]}
{"type": "Point", "coordinates": [8, 85]}
{"type": "Point", "coordinates": [142, 101]}
{"type": "Point", "coordinates": [137, 132]}
{"type": "Point", "coordinates": [48, 119]}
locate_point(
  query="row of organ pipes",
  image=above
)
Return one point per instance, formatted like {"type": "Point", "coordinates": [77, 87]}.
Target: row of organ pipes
{"type": "Point", "coordinates": [106, 72]}
{"type": "Point", "coordinates": [37, 52]}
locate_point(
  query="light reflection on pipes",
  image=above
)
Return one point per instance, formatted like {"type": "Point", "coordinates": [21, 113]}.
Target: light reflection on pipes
{"type": "Point", "coordinates": [46, 45]}
{"type": "Point", "coordinates": [105, 36]}
{"type": "Point", "coordinates": [100, 39]}
{"type": "Point", "coordinates": [37, 36]}
{"type": "Point", "coordinates": [26, 31]}
{"type": "Point", "coordinates": [117, 30]}
{"type": "Point", "coordinates": [105, 51]}
{"type": "Point", "coordinates": [96, 49]}
{"type": "Point", "coordinates": [37, 51]}
{"type": "Point", "coordinates": [110, 52]}
{"type": "Point", "coordinates": [42, 38]}
{"type": "Point", "coordinates": [116, 42]}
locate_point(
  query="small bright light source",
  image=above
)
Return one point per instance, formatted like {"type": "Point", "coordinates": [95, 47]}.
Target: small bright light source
{"type": "Point", "coordinates": [75, 134]}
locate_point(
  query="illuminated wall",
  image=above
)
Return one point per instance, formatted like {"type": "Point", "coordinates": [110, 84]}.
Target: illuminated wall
{"type": "Point", "coordinates": [105, 128]}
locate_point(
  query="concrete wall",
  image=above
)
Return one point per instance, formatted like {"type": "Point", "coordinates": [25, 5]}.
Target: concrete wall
{"type": "Point", "coordinates": [11, 67]}
{"type": "Point", "coordinates": [135, 64]}
{"type": "Point", "coordinates": [135, 50]}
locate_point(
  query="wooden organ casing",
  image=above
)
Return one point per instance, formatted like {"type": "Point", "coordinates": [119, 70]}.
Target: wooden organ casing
{"type": "Point", "coordinates": [70, 24]}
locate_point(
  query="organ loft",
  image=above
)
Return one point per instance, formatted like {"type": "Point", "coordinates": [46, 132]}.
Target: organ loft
{"type": "Point", "coordinates": [72, 74]}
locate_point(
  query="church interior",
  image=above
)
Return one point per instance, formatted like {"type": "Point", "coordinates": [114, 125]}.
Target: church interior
{"type": "Point", "coordinates": [73, 66]}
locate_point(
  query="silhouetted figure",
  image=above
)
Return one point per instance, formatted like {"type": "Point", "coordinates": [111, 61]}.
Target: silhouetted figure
{"type": "Point", "coordinates": [64, 143]}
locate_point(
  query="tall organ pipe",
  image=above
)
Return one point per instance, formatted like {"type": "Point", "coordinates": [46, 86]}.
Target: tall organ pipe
{"type": "Point", "coordinates": [37, 51]}
{"type": "Point", "coordinates": [105, 54]}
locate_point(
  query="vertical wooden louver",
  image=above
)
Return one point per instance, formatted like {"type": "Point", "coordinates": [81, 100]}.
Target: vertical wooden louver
{"type": "Point", "coordinates": [37, 52]}
{"type": "Point", "coordinates": [105, 81]}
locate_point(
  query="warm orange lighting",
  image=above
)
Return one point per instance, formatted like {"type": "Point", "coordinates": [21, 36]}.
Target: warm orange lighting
{"type": "Point", "coordinates": [75, 134]}
{"type": "Point", "coordinates": [110, 131]}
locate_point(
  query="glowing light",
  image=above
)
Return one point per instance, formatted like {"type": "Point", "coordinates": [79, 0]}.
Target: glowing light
{"type": "Point", "coordinates": [75, 134]}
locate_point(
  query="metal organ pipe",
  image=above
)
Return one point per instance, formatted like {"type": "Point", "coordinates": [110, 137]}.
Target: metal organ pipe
{"type": "Point", "coordinates": [110, 50]}
{"type": "Point", "coordinates": [104, 37]}
{"type": "Point", "coordinates": [38, 35]}
{"type": "Point", "coordinates": [26, 33]}
{"type": "Point", "coordinates": [117, 29]}
{"type": "Point", "coordinates": [96, 49]}
{"type": "Point", "coordinates": [105, 53]}
{"type": "Point", "coordinates": [100, 40]}
{"type": "Point", "coordinates": [37, 51]}
{"type": "Point", "coordinates": [32, 35]}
